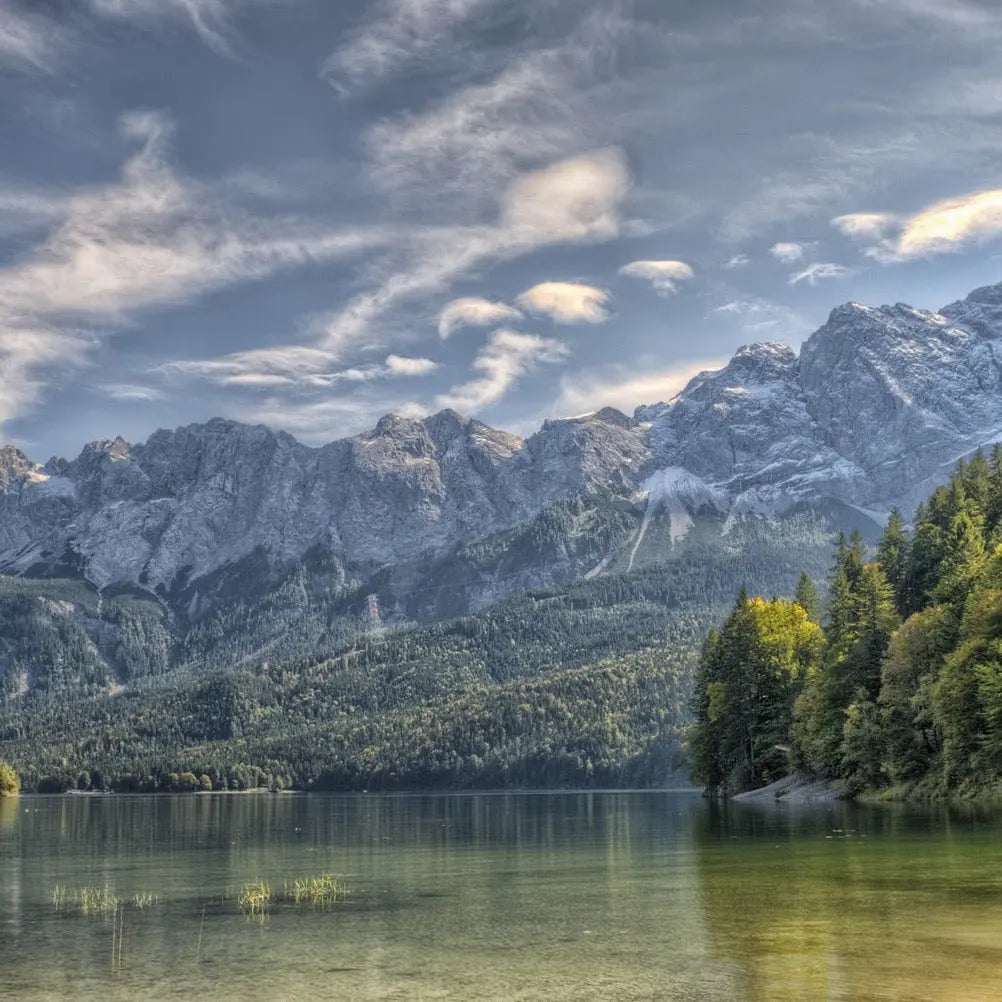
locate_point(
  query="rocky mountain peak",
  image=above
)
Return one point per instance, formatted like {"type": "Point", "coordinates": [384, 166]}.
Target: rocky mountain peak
{"type": "Point", "coordinates": [981, 311]}
{"type": "Point", "coordinates": [14, 466]}
{"type": "Point", "coordinates": [879, 404]}
{"type": "Point", "coordinates": [761, 362]}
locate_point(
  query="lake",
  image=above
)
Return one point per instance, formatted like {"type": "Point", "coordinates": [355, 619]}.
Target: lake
{"type": "Point", "coordinates": [645, 895]}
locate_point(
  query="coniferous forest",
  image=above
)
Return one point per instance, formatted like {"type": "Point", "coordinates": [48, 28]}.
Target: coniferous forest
{"type": "Point", "coordinates": [885, 676]}
{"type": "Point", "coordinates": [893, 683]}
{"type": "Point", "coordinates": [586, 684]}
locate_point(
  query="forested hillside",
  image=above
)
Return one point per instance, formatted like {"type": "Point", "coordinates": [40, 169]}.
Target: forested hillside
{"type": "Point", "coordinates": [586, 684]}
{"type": "Point", "coordinates": [901, 684]}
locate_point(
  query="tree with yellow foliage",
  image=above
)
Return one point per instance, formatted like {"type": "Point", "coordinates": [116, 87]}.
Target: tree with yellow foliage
{"type": "Point", "coordinates": [749, 676]}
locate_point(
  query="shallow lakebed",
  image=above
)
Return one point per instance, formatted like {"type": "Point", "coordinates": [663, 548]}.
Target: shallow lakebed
{"type": "Point", "coordinates": [570, 895]}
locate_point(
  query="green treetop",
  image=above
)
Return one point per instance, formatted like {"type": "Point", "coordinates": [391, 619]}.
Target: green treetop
{"type": "Point", "coordinates": [10, 785]}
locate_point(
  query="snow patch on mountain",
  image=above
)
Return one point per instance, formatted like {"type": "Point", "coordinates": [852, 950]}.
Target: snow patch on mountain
{"type": "Point", "coordinates": [680, 494]}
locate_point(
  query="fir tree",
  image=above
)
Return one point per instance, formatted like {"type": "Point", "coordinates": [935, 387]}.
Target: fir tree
{"type": "Point", "coordinates": [806, 596]}
{"type": "Point", "coordinates": [892, 555]}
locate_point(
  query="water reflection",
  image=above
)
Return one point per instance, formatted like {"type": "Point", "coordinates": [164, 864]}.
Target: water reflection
{"type": "Point", "coordinates": [843, 902]}
{"type": "Point", "coordinates": [573, 895]}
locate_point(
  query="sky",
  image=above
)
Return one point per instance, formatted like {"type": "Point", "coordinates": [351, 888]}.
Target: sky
{"type": "Point", "coordinates": [309, 214]}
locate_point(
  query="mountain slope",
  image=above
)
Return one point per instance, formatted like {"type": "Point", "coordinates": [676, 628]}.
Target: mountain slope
{"type": "Point", "coordinates": [876, 407]}
{"type": "Point", "coordinates": [222, 546]}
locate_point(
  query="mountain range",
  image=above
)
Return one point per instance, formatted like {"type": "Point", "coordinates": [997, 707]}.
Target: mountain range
{"type": "Point", "coordinates": [874, 411]}
{"type": "Point", "coordinates": [439, 570]}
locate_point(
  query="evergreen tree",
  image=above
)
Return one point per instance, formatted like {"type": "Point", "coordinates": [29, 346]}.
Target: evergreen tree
{"type": "Point", "coordinates": [747, 681]}
{"type": "Point", "coordinates": [861, 618]}
{"type": "Point", "coordinates": [806, 596]}
{"type": "Point", "coordinates": [908, 675]}
{"type": "Point", "coordinates": [892, 555]}
{"type": "Point", "coordinates": [961, 561]}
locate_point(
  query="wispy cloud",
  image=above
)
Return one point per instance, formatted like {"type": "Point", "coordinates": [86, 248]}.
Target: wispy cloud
{"type": "Point", "coordinates": [665, 276]}
{"type": "Point", "coordinates": [576, 200]}
{"type": "Point", "coordinates": [473, 311]}
{"type": "Point", "coordinates": [759, 317]}
{"type": "Point", "coordinates": [506, 357]}
{"type": "Point", "coordinates": [737, 261]}
{"type": "Point", "coordinates": [625, 390]}
{"type": "Point", "coordinates": [864, 225]}
{"type": "Point", "coordinates": [129, 391]}
{"type": "Point", "coordinates": [566, 302]}
{"type": "Point", "coordinates": [397, 34]}
{"type": "Point", "coordinates": [26, 353]}
{"type": "Point", "coordinates": [153, 238]}
{"type": "Point", "coordinates": [297, 366]}
{"type": "Point", "coordinates": [943, 227]}
{"type": "Point", "coordinates": [958, 14]}
{"type": "Point", "coordinates": [28, 41]}
{"type": "Point", "coordinates": [818, 272]}
{"type": "Point", "coordinates": [787, 253]}
{"type": "Point", "coordinates": [210, 19]}
{"type": "Point", "coordinates": [541, 106]}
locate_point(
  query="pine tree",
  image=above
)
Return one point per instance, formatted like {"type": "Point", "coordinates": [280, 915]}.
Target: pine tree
{"type": "Point", "coordinates": [806, 596]}
{"type": "Point", "coordinates": [748, 678]}
{"type": "Point", "coordinates": [892, 555]}
{"type": "Point", "coordinates": [962, 561]}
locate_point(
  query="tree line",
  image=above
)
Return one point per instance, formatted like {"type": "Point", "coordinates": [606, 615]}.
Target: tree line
{"type": "Point", "coordinates": [896, 683]}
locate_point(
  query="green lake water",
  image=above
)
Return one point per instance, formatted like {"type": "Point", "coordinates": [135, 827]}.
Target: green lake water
{"type": "Point", "coordinates": [501, 896]}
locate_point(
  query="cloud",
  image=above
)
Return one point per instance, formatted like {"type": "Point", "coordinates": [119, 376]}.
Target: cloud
{"type": "Point", "coordinates": [26, 353]}
{"type": "Point", "coordinates": [817, 272]}
{"type": "Point", "coordinates": [958, 14]}
{"type": "Point", "coordinates": [28, 41]}
{"type": "Point", "coordinates": [663, 275]}
{"type": "Point", "coordinates": [471, 142]}
{"type": "Point", "coordinates": [577, 200]}
{"type": "Point", "coordinates": [398, 34]}
{"type": "Point", "coordinates": [738, 261]}
{"type": "Point", "coordinates": [398, 365]}
{"type": "Point", "coordinates": [156, 238]}
{"type": "Point", "coordinates": [758, 317]}
{"type": "Point", "coordinates": [787, 253]}
{"type": "Point", "coordinates": [566, 302]}
{"type": "Point", "coordinates": [864, 225]}
{"type": "Point", "coordinates": [506, 357]}
{"type": "Point", "coordinates": [472, 311]}
{"type": "Point", "coordinates": [950, 224]}
{"type": "Point", "coordinates": [587, 392]}
{"type": "Point", "coordinates": [543, 105]}
{"type": "Point", "coordinates": [292, 366]}
{"type": "Point", "coordinates": [940, 228]}
{"type": "Point", "coordinates": [572, 201]}
{"type": "Point", "coordinates": [210, 19]}
{"type": "Point", "coordinates": [129, 391]}
{"type": "Point", "coordinates": [151, 238]}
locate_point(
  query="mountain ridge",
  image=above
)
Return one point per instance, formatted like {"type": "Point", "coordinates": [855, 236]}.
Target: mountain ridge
{"type": "Point", "coordinates": [876, 406]}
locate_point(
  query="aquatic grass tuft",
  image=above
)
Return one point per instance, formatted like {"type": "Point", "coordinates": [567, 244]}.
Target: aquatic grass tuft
{"type": "Point", "coordinates": [254, 899]}
{"type": "Point", "coordinates": [320, 891]}
{"type": "Point", "coordinates": [97, 900]}
{"type": "Point", "coordinates": [85, 900]}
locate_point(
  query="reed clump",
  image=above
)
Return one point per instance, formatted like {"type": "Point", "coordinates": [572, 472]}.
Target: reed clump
{"type": "Point", "coordinates": [320, 891]}
{"type": "Point", "coordinates": [254, 899]}
{"type": "Point", "coordinates": [86, 900]}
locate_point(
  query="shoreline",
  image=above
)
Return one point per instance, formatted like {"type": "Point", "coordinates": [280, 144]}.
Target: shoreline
{"type": "Point", "coordinates": [792, 790]}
